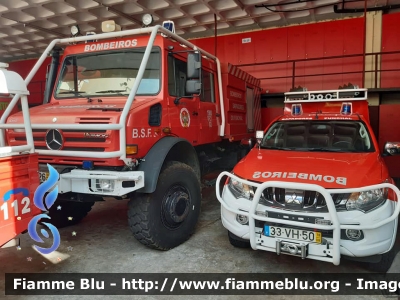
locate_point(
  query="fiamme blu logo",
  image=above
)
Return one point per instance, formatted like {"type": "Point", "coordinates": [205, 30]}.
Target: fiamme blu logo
{"type": "Point", "coordinates": [44, 202]}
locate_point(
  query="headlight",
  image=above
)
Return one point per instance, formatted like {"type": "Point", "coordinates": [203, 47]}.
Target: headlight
{"type": "Point", "coordinates": [104, 185]}
{"type": "Point", "coordinates": [75, 30]}
{"type": "Point", "coordinates": [366, 201]}
{"type": "Point", "coordinates": [240, 190]}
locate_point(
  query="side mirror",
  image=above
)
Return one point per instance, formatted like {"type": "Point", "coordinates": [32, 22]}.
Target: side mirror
{"type": "Point", "coordinates": [259, 137]}
{"type": "Point", "coordinates": [193, 66]}
{"type": "Point", "coordinates": [193, 87]}
{"type": "Point", "coordinates": [392, 148]}
{"type": "Point", "coordinates": [248, 142]}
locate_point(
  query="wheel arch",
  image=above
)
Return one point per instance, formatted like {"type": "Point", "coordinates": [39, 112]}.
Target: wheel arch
{"type": "Point", "coordinates": [167, 149]}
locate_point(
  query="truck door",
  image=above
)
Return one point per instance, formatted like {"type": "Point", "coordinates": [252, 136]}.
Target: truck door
{"type": "Point", "coordinates": [183, 109]}
{"type": "Point", "coordinates": [207, 109]}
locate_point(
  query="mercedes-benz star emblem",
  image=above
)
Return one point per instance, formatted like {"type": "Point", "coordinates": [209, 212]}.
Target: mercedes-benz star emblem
{"type": "Point", "coordinates": [54, 139]}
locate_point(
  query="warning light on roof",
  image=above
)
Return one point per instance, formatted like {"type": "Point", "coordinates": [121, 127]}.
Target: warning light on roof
{"type": "Point", "coordinates": [346, 109]}
{"type": "Point", "coordinates": [297, 110]}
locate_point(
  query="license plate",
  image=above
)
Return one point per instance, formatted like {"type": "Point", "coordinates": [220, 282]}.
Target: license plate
{"type": "Point", "coordinates": [293, 234]}
{"type": "Point", "coordinates": [43, 176]}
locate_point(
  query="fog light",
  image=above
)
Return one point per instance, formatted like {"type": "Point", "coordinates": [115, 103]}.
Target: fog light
{"type": "Point", "coordinates": [105, 185]}
{"type": "Point", "coordinates": [262, 213]}
{"type": "Point", "coordinates": [353, 234]}
{"type": "Point", "coordinates": [243, 220]}
{"type": "Point", "coordinates": [323, 222]}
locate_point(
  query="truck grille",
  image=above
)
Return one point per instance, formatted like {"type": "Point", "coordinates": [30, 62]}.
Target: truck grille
{"type": "Point", "coordinates": [73, 139]}
{"type": "Point", "coordinates": [298, 200]}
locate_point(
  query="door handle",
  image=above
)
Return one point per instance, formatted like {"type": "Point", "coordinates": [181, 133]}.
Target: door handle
{"type": "Point", "coordinates": [195, 113]}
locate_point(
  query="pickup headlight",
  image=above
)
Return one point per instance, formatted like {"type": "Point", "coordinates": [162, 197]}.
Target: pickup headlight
{"type": "Point", "coordinates": [240, 190]}
{"type": "Point", "coordinates": [366, 201]}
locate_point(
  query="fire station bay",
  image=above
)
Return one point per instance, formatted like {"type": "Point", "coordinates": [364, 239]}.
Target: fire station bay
{"type": "Point", "coordinates": [185, 148]}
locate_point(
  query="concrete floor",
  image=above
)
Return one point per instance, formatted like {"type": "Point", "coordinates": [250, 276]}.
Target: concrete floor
{"type": "Point", "coordinates": [104, 244]}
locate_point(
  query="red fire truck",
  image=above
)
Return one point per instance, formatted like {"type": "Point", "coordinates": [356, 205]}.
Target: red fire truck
{"type": "Point", "coordinates": [139, 114]}
{"type": "Point", "coordinates": [18, 167]}
{"type": "Point", "coordinates": [316, 185]}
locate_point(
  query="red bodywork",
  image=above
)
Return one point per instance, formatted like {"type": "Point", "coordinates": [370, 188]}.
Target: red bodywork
{"type": "Point", "coordinates": [18, 182]}
{"type": "Point", "coordinates": [204, 117]}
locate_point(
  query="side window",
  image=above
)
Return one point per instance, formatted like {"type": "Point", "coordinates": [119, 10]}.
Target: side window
{"type": "Point", "coordinates": [207, 88]}
{"type": "Point", "coordinates": [176, 77]}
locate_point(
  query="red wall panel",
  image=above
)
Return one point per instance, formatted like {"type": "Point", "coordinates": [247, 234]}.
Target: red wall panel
{"type": "Point", "coordinates": [268, 114]}
{"type": "Point", "coordinates": [314, 45]}
{"type": "Point", "coordinates": [317, 40]}
{"type": "Point", "coordinates": [276, 85]}
{"type": "Point", "coordinates": [262, 51]}
{"type": "Point", "coordinates": [296, 42]}
{"type": "Point", "coordinates": [353, 36]}
{"type": "Point", "coordinates": [333, 38]}
{"type": "Point", "coordinates": [390, 42]}
{"type": "Point", "coordinates": [388, 113]}
{"type": "Point", "coordinates": [390, 32]}
{"type": "Point", "coordinates": [278, 43]}
{"type": "Point", "coordinates": [37, 85]}
{"type": "Point", "coordinates": [246, 52]}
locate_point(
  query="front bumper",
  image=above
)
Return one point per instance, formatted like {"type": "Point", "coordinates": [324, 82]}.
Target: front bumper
{"type": "Point", "coordinates": [100, 182]}
{"type": "Point", "coordinates": [379, 226]}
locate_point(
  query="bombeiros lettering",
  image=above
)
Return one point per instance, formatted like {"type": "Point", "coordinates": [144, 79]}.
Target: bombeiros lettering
{"type": "Point", "coordinates": [111, 45]}
{"type": "Point", "coordinates": [302, 176]}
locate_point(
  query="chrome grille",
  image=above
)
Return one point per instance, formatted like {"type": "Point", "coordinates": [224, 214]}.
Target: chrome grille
{"type": "Point", "coordinates": [298, 200]}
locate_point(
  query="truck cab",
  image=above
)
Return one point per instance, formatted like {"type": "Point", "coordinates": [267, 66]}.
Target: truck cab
{"type": "Point", "coordinates": [315, 186]}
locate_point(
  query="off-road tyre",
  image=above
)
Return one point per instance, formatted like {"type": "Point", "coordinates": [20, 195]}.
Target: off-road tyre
{"type": "Point", "coordinates": [167, 217]}
{"type": "Point", "coordinates": [237, 241]}
{"type": "Point", "coordinates": [61, 213]}
{"type": "Point", "coordinates": [386, 262]}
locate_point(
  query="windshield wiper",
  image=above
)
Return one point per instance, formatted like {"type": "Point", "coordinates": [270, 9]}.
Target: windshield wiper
{"type": "Point", "coordinates": [276, 148]}
{"type": "Point", "coordinates": [71, 92]}
{"type": "Point", "coordinates": [328, 150]}
{"type": "Point", "coordinates": [119, 92]}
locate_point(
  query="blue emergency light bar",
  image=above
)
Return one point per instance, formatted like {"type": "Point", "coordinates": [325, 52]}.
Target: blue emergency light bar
{"type": "Point", "coordinates": [169, 25]}
{"type": "Point", "coordinates": [347, 108]}
{"type": "Point", "coordinates": [87, 165]}
{"type": "Point", "coordinates": [297, 110]}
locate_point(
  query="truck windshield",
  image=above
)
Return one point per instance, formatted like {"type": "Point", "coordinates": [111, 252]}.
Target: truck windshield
{"type": "Point", "coordinates": [108, 74]}
{"type": "Point", "coordinates": [322, 136]}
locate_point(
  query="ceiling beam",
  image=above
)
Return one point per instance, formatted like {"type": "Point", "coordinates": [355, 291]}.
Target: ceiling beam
{"type": "Point", "coordinates": [119, 13]}
{"type": "Point", "coordinates": [56, 33]}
